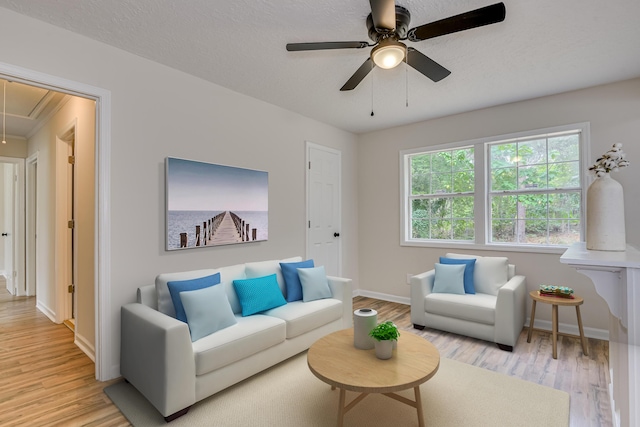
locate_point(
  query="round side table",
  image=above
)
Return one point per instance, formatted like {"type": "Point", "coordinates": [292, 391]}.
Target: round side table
{"type": "Point", "coordinates": [576, 302]}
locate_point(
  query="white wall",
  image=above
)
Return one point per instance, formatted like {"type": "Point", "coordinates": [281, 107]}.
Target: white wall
{"type": "Point", "coordinates": [614, 113]}
{"type": "Point", "coordinates": [159, 112]}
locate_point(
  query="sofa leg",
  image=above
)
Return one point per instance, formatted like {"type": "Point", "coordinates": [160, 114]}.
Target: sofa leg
{"type": "Point", "coordinates": [177, 414]}
{"type": "Point", "coordinates": [505, 347]}
{"type": "Point", "coordinates": [416, 326]}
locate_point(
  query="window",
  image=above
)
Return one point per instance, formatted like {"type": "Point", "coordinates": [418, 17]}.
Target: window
{"type": "Point", "coordinates": [523, 190]}
{"type": "Point", "coordinates": [442, 191]}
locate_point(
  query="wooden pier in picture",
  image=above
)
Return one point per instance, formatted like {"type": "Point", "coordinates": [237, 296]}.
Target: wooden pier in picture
{"type": "Point", "coordinates": [222, 229]}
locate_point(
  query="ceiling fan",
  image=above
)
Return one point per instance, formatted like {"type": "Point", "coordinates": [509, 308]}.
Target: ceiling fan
{"type": "Point", "coordinates": [387, 24]}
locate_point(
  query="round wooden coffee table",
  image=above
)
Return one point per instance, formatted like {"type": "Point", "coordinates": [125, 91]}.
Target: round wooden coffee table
{"type": "Point", "coordinates": [335, 360]}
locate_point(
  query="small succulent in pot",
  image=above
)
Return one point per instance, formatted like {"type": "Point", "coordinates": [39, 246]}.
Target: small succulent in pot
{"type": "Point", "coordinates": [385, 331]}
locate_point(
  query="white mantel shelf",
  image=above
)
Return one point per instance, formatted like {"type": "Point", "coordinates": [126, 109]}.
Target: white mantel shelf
{"type": "Point", "coordinates": [616, 276]}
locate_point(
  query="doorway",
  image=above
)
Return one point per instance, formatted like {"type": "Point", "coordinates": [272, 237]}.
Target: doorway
{"type": "Point", "coordinates": [105, 367]}
{"type": "Point", "coordinates": [324, 207]}
{"type": "Point", "coordinates": [12, 223]}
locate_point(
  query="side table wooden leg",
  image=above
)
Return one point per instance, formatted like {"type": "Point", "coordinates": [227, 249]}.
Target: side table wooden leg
{"type": "Point", "coordinates": [419, 406]}
{"type": "Point", "coordinates": [341, 408]}
{"type": "Point", "coordinates": [554, 328]}
{"type": "Point", "coordinates": [533, 318]}
{"type": "Point", "coordinates": [582, 338]}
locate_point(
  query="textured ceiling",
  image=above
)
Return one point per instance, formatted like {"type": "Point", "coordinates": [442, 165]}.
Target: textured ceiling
{"type": "Point", "coordinates": [542, 47]}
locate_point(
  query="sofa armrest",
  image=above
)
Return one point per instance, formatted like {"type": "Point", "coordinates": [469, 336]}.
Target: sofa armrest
{"type": "Point", "coordinates": [421, 286]}
{"type": "Point", "coordinates": [510, 310]}
{"type": "Point", "coordinates": [341, 289]}
{"type": "Point", "coordinates": [156, 357]}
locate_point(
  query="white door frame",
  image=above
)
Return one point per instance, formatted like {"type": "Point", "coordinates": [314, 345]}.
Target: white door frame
{"type": "Point", "coordinates": [105, 367]}
{"type": "Point", "coordinates": [18, 228]}
{"type": "Point", "coordinates": [31, 227]}
{"type": "Point", "coordinates": [308, 146]}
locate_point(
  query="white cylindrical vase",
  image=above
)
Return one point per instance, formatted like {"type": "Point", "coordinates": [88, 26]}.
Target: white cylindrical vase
{"type": "Point", "coordinates": [605, 215]}
{"type": "Point", "coordinates": [364, 320]}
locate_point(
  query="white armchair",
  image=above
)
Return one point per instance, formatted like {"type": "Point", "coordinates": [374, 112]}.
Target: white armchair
{"type": "Point", "coordinates": [496, 312]}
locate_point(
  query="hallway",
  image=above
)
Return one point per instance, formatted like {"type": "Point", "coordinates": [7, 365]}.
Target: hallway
{"type": "Point", "coordinates": [45, 380]}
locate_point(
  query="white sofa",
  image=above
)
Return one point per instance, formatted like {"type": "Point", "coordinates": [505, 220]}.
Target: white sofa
{"type": "Point", "coordinates": [496, 312]}
{"type": "Point", "coordinates": [160, 360]}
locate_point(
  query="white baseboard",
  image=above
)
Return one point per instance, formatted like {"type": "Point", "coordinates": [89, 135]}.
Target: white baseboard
{"type": "Point", "coordinates": [381, 296]}
{"type": "Point", "coordinates": [86, 347]}
{"type": "Point", "coordinates": [46, 311]}
{"type": "Point", "coordinates": [600, 334]}
{"type": "Point", "coordinates": [565, 328]}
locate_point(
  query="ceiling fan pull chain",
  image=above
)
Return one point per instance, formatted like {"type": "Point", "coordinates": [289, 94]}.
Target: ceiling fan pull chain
{"type": "Point", "coordinates": [372, 89]}
{"type": "Point", "coordinates": [406, 82]}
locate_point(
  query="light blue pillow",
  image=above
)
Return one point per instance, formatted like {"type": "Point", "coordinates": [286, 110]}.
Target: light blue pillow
{"type": "Point", "coordinates": [469, 286]}
{"type": "Point", "coordinates": [314, 283]}
{"type": "Point", "coordinates": [291, 279]}
{"type": "Point", "coordinates": [189, 285]}
{"type": "Point", "coordinates": [449, 279]}
{"type": "Point", "coordinates": [258, 294]}
{"type": "Point", "coordinates": [208, 310]}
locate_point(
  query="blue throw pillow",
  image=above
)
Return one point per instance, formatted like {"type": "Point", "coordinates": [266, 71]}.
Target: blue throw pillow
{"type": "Point", "coordinates": [449, 279]}
{"type": "Point", "coordinates": [189, 285]}
{"type": "Point", "coordinates": [208, 310]}
{"type": "Point", "coordinates": [258, 294]}
{"type": "Point", "coordinates": [291, 279]}
{"type": "Point", "coordinates": [314, 284]}
{"type": "Point", "coordinates": [470, 265]}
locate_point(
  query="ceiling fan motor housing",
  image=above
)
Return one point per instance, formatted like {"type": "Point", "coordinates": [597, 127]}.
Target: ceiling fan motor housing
{"type": "Point", "coordinates": [403, 17]}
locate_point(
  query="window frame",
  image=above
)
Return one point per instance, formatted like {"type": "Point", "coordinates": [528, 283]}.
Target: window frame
{"type": "Point", "coordinates": [482, 194]}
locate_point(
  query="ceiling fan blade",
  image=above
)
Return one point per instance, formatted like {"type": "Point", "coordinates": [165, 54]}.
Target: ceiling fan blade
{"type": "Point", "coordinates": [383, 13]}
{"type": "Point", "coordinates": [357, 77]}
{"type": "Point", "coordinates": [293, 47]}
{"type": "Point", "coordinates": [426, 65]}
{"type": "Point", "coordinates": [465, 21]}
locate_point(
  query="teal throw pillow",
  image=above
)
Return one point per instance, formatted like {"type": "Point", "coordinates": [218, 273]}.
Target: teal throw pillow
{"type": "Point", "coordinates": [449, 279]}
{"type": "Point", "coordinates": [189, 285]}
{"type": "Point", "coordinates": [291, 279]}
{"type": "Point", "coordinates": [469, 286]}
{"type": "Point", "coordinates": [258, 294]}
{"type": "Point", "coordinates": [314, 283]}
{"type": "Point", "coordinates": [208, 310]}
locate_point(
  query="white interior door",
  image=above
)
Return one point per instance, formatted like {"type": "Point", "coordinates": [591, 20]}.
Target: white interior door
{"type": "Point", "coordinates": [324, 207]}
{"type": "Point", "coordinates": [8, 231]}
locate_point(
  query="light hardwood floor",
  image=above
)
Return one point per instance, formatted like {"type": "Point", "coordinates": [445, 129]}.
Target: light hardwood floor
{"type": "Point", "coordinates": [45, 380]}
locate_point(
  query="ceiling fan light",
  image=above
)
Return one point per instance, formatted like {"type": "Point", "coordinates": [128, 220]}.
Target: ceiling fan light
{"type": "Point", "coordinates": [389, 53]}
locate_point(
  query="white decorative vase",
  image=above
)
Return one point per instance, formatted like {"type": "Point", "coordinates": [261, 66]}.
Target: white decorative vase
{"type": "Point", "coordinates": [605, 215]}
{"type": "Point", "coordinates": [384, 349]}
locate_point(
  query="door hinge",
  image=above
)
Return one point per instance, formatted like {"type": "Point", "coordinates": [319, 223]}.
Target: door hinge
{"type": "Point", "coordinates": [71, 289]}
{"type": "Point", "coordinates": [309, 224]}
{"type": "Point", "coordinates": [72, 160]}
{"type": "Point", "coordinates": [309, 165]}
{"type": "Point", "coordinates": [71, 223]}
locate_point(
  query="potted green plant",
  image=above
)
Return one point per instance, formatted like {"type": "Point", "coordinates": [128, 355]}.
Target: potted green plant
{"type": "Point", "coordinates": [385, 334]}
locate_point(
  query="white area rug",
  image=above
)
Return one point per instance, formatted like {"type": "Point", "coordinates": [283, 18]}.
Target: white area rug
{"type": "Point", "coordinates": [289, 395]}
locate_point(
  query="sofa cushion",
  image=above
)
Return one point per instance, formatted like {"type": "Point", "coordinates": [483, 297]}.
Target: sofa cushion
{"type": "Point", "coordinates": [449, 278]}
{"type": "Point", "coordinates": [469, 288]}
{"type": "Point", "coordinates": [165, 304]}
{"type": "Point", "coordinates": [259, 294]}
{"type": "Point", "coordinates": [302, 317]}
{"type": "Point", "coordinates": [207, 311]}
{"type": "Point", "coordinates": [176, 287]}
{"type": "Point", "coordinates": [291, 278]}
{"type": "Point", "coordinates": [490, 274]}
{"type": "Point", "coordinates": [227, 276]}
{"type": "Point", "coordinates": [314, 283]}
{"type": "Point", "coordinates": [249, 336]}
{"type": "Point", "coordinates": [478, 308]}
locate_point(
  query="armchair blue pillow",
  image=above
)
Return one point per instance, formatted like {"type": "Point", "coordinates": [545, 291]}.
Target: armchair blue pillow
{"type": "Point", "coordinates": [469, 287]}
{"type": "Point", "coordinates": [449, 279]}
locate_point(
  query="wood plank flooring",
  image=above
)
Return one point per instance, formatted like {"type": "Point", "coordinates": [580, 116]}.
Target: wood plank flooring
{"type": "Point", "coordinates": [45, 380]}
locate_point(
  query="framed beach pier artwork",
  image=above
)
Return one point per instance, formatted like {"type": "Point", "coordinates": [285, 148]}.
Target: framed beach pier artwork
{"type": "Point", "coordinates": [210, 204]}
